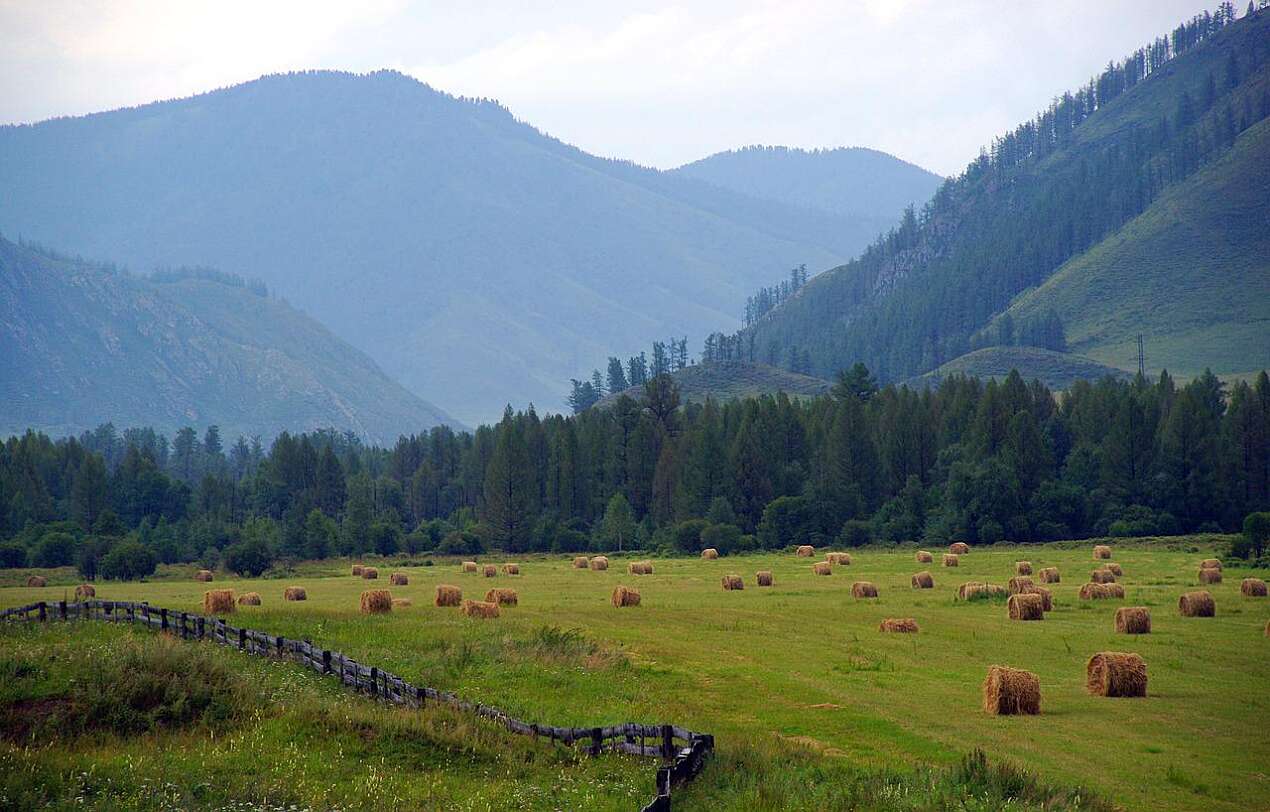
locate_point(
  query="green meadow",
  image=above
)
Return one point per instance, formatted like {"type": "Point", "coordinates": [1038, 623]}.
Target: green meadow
{"type": "Point", "coordinates": [811, 706]}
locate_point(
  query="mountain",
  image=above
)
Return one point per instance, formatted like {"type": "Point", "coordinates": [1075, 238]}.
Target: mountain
{"type": "Point", "coordinates": [1135, 205]}
{"type": "Point", "coordinates": [86, 344]}
{"type": "Point", "coordinates": [869, 187]}
{"type": "Point", "coordinates": [729, 380]}
{"type": "Point", "coordinates": [476, 259]}
{"type": "Point", "coordinates": [1057, 370]}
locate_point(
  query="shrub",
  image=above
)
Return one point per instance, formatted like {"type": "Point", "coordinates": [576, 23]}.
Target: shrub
{"type": "Point", "coordinates": [54, 550]}
{"type": "Point", "coordinates": [12, 555]}
{"type": "Point", "coordinates": [990, 531]}
{"type": "Point", "coordinates": [464, 542]}
{"type": "Point", "coordinates": [1255, 538]}
{"type": "Point", "coordinates": [686, 536]}
{"type": "Point", "coordinates": [726, 538]}
{"type": "Point", "coordinates": [855, 533]}
{"type": "Point", "coordinates": [128, 561]}
{"type": "Point", "coordinates": [250, 557]}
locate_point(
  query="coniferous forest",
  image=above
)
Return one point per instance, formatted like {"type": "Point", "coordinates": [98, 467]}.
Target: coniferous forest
{"type": "Point", "coordinates": [973, 461]}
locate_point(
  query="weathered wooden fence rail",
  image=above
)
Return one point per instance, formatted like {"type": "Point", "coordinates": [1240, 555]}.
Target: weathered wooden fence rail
{"type": "Point", "coordinates": [684, 751]}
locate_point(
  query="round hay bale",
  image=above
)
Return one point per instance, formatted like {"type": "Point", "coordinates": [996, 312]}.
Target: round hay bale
{"type": "Point", "coordinates": [709, 554]}
{"type": "Point", "coordinates": [1114, 568]}
{"type": "Point", "coordinates": [448, 595]}
{"type": "Point", "coordinates": [295, 593]}
{"type": "Point", "coordinates": [489, 571]}
{"type": "Point", "coordinates": [85, 591]}
{"type": "Point", "coordinates": [1210, 564]}
{"type": "Point", "coordinates": [972, 590]}
{"type": "Point", "coordinates": [1133, 620]}
{"type": "Point", "coordinates": [511, 569]}
{"type": "Point", "coordinates": [1268, 628]}
{"type": "Point", "coordinates": [959, 548]}
{"type": "Point", "coordinates": [1102, 551]}
{"type": "Point", "coordinates": [502, 597]}
{"type": "Point", "coordinates": [1047, 597]}
{"type": "Point", "coordinates": [218, 602]}
{"type": "Point", "coordinates": [1250, 587]}
{"type": "Point", "coordinates": [1196, 604]}
{"type": "Point", "coordinates": [838, 559]}
{"type": "Point", "coordinates": [399, 579]}
{"type": "Point", "coordinates": [1022, 567]}
{"type": "Point", "coordinates": [1092, 591]}
{"type": "Point", "coordinates": [731, 582]}
{"type": "Point", "coordinates": [924, 557]}
{"type": "Point", "coordinates": [625, 596]}
{"type": "Point", "coordinates": [763, 577]}
{"type": "Point", "coordinates": [640, 568]}
{"type": "Point", "coordinates": [1017, 584]}
{"type": "Point", "coordinates": [1026, 606]}
{"type": "Point", "coordinates": [249, 599]}
{"type": "Point", "coordinates": [580, 562]}
{"type": "Point", "coordinates": [899, 625]}
{"type": "Point", "coordinates": [822, 568]}
{"type": "Point", "coordinates": [1210, 576]}
{"type": "Point", "coordinates": [203, 575]}
{"type": "Point", "coordinates": [951, 559]}
{"type": "Point", "coordinates": [1049, 575]}
{"type": "Point", "coordinates": [1102, 576]}
{"type": "Point", "coordinates": [376, 602]}
{"type": "Point", "coordinates": [863, 589]}
{"type": "Point", "coordinates": [357, 570]}
{"type": "Point", "coordinates": [1010, 691]}
{"type": "Point", "coordinates": [470, 566]}
{"type": "Point", "coordinates": [370, 573]}
{"type": "Point", "coordinates": [1115, 673]}
{"type": "Point", "coordinates": [481, 609]}
{"type": "Point", "coordinates": [599, 563]}
{"type": "Point", "coordinates": [37, 580]}
{"type": "Point", "coordinates": [805, 551]}
{"type": "Point", "coordinates": [401, 603]}
{"type": "Point", "coordinates": [923, 580]}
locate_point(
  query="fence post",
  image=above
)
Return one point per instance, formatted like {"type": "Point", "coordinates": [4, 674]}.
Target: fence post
{"type": "Point", "coordinates": [281, 642]}
{"type": "Point", "coordinates": [326, 661]}
{"type": "Point", "coordinates": [597, 740]}
{"type": "Point", "coordinates": [43, 612]}
{"type": "Point", "coordinates": [242, 639]}
{"type": "Point", "coordinates": [61, 608]}
{"type": "Point", "coordinates": [201, 629]}
{"type": "Point", "coordinates": [163, 620]}
{"type": "Point", "coordinates": [667, 741]}
{"type": "Point", "coordinates": [374, 681]}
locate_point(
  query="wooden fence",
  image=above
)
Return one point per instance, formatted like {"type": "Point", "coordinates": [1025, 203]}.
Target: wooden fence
{"type": "Point", "coordinates": [683, 751]}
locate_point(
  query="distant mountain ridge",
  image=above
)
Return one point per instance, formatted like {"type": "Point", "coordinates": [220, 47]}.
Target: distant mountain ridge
{"type": "Point", "coordinates": [85, 344]}
{"type": "Point", "coordinates": [476, 259]}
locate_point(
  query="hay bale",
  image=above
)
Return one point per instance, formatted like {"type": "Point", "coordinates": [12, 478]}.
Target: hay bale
{"type": "Point", "coordinates": [822, 568]}
{"type": "Point", "coordinates": [203, 575]}
{"type": "Point", "coordinates": [1210, 576]}
{"type": "Point", "coordinates": [970, 588]}
{"type": "Point", "coordinates": [731, 582]}
{"type": "Point", "coordinates": [1196, 604]}
{"type": "Point", "coordinates": [1049, 575]}
{"type": "Point", "coordinates": [1017, 584]}
{"type": "Point", "coordinates": [218, 602]}
{"type": "Point", "coordinates": [709, 554]}
{"type": "Point", "coordinates": [763, 577]}
{"type": "Point", "coordinates": [1026, 606]}
{"type": "Point", "coordinates": [959, 548]}
{"type": "Point", "coordinates": [448, 595]}
{"type": "Point", "coordinates": [864, 589]}
{"type": "Point", "coordinates": [1102, 576]}
{"type": "Point", "coordinates": [923, 580]}
{"type": "Point", "coordinates": [625, 596]}
{"type": "Point", "coordinates": [1092, 591]}
{"type": "Point", "coordinates": [836, 559]}
{"type": "Point", "coordinates": [470, 566]}
{"type": "Point", "coordinates": [376, 602]}
{"type": "Point", "coordinates": [951, 559]}
{"type": "Point", "coordinates": [923, 557]}
{"type": "Point", "coordinates": [899, 625]}
{"type": "Point", "coordinates": [295, 593]}
{"type": "Point", "coordinates": [511, 569]}
{"type": "Point", "coordinates": [502, 597]}
{"type": "Point", "coordinates": [1047, 597]}
{"type": "Point", "coordinates": [1251, 587]}
{"type": "Point", "coordinates": [805, 551]}
{"type": "Point", "coordinates": [370, 573]}
{"type": "Point", "coordinates": [1022, 567]}
{"type": "Point", "coordinates": [85, 591]}
{"type": "Point", "coordinates": [1010, 691]}
{"type": "Point", "coordinates": [399, 579]}
{"type": "Point", "coordinates": [249, 599]}
{"type": "Point", "coordinates": [1102, 551]}
{"type": "Point", "coordinates": [37, 580]}
{"type": "Point", "coordinates": [1114, 568]}
{"type": "Point", "coordinates": [1268, 628]}
{"type": "Point", "coordinates": [1210, 564]}
{"type": "Point", "coordinates": [599, 563]}
{"type": "Point", "coordinates": [357, 570]}
{"type": "Point", "coordinates": [580, 562]}
{"type": "Point", "coordinates": [401, 603]}
{"type": "Point", "coordinates": [1115, 673]}
{"type": "Point", "coordinates": [1133, 620]}
{"type": "Point", "coordinates": [489, 571]}
{"type": "Point", "coordinates": [481, 609]}
{"type": "Point", "coordinates": [640, 568]}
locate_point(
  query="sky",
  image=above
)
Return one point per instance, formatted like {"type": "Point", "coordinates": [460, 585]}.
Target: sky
{"type": "Point", "coordinates": [658, 83]}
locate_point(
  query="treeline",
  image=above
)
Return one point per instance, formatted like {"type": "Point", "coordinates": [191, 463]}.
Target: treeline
{"type": "Point", "coordinates": [981, 462]}
{"type": "Point", "coordinates": [668, 356]}
{"type": "Point", "coordinates": [758, 305]}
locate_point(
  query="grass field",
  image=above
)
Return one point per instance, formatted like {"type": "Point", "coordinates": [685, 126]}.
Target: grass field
{"type": "Point", "coordinates": [810, 705]}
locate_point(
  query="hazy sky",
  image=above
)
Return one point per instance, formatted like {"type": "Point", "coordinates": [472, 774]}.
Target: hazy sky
{"type": "Point", "coordinates": [659, 83]}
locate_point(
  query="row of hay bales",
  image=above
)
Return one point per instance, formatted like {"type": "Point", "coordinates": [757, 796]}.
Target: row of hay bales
{"type": "Point", "coordinates": [222, 601]}
{"type": "Point", "coordinates": [597, 563]}
{"type": "Point", "coordinates": [488, 570]}
{"type": "Point", "coordinates": [1010, 691]}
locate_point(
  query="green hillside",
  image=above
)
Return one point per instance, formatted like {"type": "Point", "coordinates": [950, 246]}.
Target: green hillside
{"type": "Point", "coordinates": [86, 344]}
{"type": "Point", "coordinates": [1191, 274]}
{"type": "Point", "coordinates": [1056, 370]}
{"type": "Point", "coordinates": [727, 380]}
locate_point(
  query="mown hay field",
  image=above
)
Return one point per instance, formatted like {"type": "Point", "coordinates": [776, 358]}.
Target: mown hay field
{"type": "Point", "coordinates": [797, 680]}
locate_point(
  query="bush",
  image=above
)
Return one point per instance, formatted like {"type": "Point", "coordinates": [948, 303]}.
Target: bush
{"type": "Point", "coordinates": [1255, 538]}
{"type": "Point", "coordinates": [686, 536]}
{"type": "Point", "coordinates": [990, 531]}
{"type": "Point", "coordinates": [250, 557]}
{"type": "Point", "coordinates": [855, 533]}
{"type": "Point", "coordinates": [787, 520]}
{"type": "Point", "coordinates": [54, 550]}
{"type": "Point", "coordinates": [726, 538]}
{"type": "Point", "coordinates": [128, 561]}
{"type": "Point", "coordinates": [385, 538]}
{"type": "Point", "coordinates": [12, 555]}
{"type": "Point", "coordinates": [464, 542]}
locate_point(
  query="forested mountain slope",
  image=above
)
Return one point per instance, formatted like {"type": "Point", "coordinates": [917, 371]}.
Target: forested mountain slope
{"type": "Point", "coordinates": [475, 258]}
{"type": "Point", "coordinates": [1048, 193]}
{"type": "Point", "coordinates": [728, 380]}
{"type": "Point", "coordinates": [85, 344]}
{"type": "Point", "coordinates": [1057, 370]}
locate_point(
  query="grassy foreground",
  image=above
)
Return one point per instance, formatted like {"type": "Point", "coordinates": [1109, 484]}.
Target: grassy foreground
{"type": "Point", "coordinates": [811, 706]}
